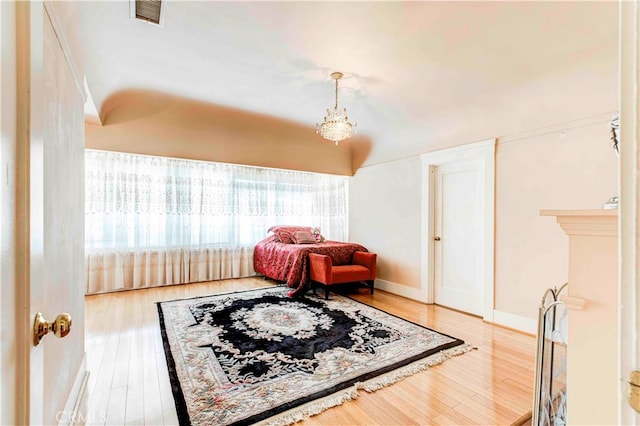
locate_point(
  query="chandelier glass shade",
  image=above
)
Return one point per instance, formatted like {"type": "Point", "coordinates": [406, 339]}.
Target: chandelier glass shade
{"type": "Point", "coordinates": [336, 125]}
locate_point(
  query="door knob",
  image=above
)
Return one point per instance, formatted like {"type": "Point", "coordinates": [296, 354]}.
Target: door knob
{"type": "Point", "coordinates": [60, 327]}
{"type": "Point", "coordinates": [634, 390]}
{"type": "Point", "coordinates": [436, 238]}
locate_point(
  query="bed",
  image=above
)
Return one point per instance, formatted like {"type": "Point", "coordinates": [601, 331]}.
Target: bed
{"type": "Point", "coordinates": [287, 261]}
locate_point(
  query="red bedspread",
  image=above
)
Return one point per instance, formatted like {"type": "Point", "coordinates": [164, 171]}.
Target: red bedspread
{"type": "Point", "coordinates": [289, 262]}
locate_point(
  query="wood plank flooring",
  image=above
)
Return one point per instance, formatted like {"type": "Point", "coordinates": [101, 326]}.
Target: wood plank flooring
{"type": "Point", "coordinates": [129, 383]}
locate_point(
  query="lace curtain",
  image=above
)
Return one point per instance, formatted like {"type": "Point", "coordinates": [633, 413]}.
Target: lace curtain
{"type": "Point", "coordinates": [156, 221]}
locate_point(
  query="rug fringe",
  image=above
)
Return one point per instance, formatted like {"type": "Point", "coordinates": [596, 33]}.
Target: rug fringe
{"type": "Point", "coordinates": [311, 409]}
{"type": "Point", "coordinates": [395, 376]}
{"type": "Point", "coordinates": [318, 406]}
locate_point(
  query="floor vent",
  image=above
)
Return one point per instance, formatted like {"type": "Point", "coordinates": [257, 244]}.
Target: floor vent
{"type": "Point", "coordinates": [147, 10]}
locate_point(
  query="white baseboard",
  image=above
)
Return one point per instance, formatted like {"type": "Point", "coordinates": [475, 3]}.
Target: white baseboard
{"type": "Point", "coordinates": [517, 322]}
{"type": "Point", "coordinates": [399, 289]}
{"type": "Point", "coordinates": [70, 413]}
{"type": "Point", "coordinates": [505, 319]}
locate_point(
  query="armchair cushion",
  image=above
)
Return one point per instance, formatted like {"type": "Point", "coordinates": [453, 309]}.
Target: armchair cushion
{"type": "Point", "coordinates": [349, 273]}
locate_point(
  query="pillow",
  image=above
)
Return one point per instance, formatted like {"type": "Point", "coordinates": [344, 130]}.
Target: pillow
{"type": "Point", "coordinates": [303, 237]}
{"type": "Point", "coordinates": [285, 232]}
{"type": "Point", "coordinates": [290, 228]}
{"type": "Point", "coordinates": [284, 236]}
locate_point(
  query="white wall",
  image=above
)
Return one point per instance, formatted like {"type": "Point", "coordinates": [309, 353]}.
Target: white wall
{"type": "Point", "coordinates": [571, 166]}
{"type": "Point", "coordinates": [384, 216]}
{"type": "Point", "coordinates": [536, 170]}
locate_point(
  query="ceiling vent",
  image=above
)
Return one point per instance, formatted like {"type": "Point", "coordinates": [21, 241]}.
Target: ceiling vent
{"type": "Point", "coordinates": [151, 11]}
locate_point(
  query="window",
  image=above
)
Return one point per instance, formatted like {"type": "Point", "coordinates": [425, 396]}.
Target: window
{"type": "Point", "coordinates": [139, 202]}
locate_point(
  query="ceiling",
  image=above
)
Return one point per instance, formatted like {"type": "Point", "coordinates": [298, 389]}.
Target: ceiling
{"type": "Point", "coordinates": [418, 75]}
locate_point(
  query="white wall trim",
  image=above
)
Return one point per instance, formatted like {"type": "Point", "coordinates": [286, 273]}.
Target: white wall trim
{"type": "Point", "coordinates": [557, 128]}
{"type": "Point", "coordinates": [399, 289]}
{"type": "Point", "coordinates": [505, 319]}
{"type": "Point", "coordinates": [426, 232]}
{"type": "Point", "coordinates": [603, 118]}
{"type": "Point", "coordinates": [57, 29]}
{"type": "Point", "coordinates": [470, 151]}
{"type": "Point", "coordinates": [501, 318]}
{"type": "Point", "coordinates": [72, 406]}
{"type": "Point", "coordinates": [484, 152]}
{"type": "Point", "coordinates": [374, 167]}
{"type": "Point", "coordinates": [629, 213]}
{"type": "Point", "coordinates": [516, 322]}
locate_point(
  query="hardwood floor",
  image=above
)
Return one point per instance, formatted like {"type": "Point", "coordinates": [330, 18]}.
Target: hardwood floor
{"type": "Point", "coordinates": [129, 383]}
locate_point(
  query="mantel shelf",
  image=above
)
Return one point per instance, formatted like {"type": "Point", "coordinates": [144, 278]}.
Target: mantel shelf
{"type": "Point", "coordinates": [602, 222]}
{"type": "Point", "coordinates": [598, 212]}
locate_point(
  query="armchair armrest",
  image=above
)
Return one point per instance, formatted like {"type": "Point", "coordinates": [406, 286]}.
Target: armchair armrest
{"type": "Point", "coordinates": [366, 259]}
{"type": "Point", "coordinates": [320, 268]}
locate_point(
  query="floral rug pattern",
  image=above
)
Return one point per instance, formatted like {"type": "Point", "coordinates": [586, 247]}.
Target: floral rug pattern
{"type": "Point", "coordinates": [258, 355]}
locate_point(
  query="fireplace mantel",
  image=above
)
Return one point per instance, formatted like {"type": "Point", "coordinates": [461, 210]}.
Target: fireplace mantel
{"type": "Point", "coordinates": [586, 222]}
{"type": "Point", "coordinates": [592, 300]}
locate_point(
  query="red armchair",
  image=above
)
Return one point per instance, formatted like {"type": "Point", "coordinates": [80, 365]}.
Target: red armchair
{"type": "Point", "coordinates": [323, 272]}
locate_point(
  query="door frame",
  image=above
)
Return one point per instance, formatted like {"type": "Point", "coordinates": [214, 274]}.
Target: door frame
{"type": "Point", "coordinates": [483, 153]}
{"type": "Point", "coordinates": [28, 208]}
{"type": "Point", "coordinates": [628, 213]}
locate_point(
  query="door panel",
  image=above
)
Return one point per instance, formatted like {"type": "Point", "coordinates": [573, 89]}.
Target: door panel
{"type": "Point", "coordinates": [458, 230]}
{"type": "Point", "coordinates": [63, 227]}
{"type": "Point", "coordinates": [49, 219]}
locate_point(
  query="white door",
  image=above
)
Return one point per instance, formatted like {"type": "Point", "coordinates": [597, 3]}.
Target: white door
{"type": "Point", "coordinates": [458, 234]}
{"type": "Point", "coordinates": [44, 188]}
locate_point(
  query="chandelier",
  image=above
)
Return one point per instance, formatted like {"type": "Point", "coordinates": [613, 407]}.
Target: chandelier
{"type": "Point", "coordinates": [336, 125]}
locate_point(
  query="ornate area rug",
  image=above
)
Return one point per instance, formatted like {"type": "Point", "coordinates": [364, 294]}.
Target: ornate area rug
{"type": "Point", "coordinates": [260, 356]}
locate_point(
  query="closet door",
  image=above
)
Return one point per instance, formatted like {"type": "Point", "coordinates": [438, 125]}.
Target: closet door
{"type": "Point", "coordinates": [458, 276]}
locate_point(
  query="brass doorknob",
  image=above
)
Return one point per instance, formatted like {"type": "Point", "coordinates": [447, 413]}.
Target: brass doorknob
{"type": "Point", "coordinates": [634, 390]}
{"type": "Point", "coordinates": [60, 327]}
{"type": "Point", "coordinates": [436, 238]}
